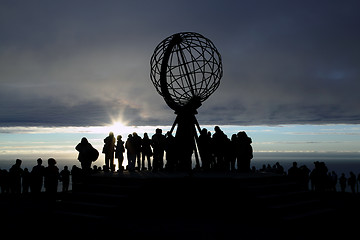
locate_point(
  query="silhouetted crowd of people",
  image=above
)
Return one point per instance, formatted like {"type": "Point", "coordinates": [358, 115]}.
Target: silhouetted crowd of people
{"type": "Point", "coordinates": [18, 180]}
{"type": "Point", "coordinates": [217, 151]}
{"type": "Point", "coordinates": [320, 178]}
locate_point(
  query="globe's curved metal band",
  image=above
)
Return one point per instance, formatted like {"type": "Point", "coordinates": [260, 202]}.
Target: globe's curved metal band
{"type": "Point", "coordinates": [176, 39]}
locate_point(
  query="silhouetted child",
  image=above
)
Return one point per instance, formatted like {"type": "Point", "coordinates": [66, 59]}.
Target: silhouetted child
{"type": "Point", "coordinates": [65, 178]}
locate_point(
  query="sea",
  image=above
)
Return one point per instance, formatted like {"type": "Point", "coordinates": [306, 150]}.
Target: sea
{"type": "Point", "coordinates": [335, 161]}
{"type": "Point", "coordinates": [338, 162]}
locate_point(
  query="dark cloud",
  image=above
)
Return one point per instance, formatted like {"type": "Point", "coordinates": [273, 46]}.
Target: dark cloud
{"type": "Point", "coordinates": [81, 63]}
{"type": "Point", "coordinates": [45, 111]}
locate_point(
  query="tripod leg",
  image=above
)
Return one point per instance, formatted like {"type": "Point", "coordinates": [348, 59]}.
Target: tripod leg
{"type": "Point", "coordinates": [197, 166]}
{"type": "Point", "coordinates": [174, 124]}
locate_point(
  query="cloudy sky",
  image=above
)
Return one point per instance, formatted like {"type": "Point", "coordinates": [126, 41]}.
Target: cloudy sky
{"type": "Point", "coordinates": [73, 68]}
{"type": "Point", "coordinates": [86, 63]}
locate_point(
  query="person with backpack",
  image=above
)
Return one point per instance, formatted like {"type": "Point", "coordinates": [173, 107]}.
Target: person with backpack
{"type": "Point", "coordinates": [87, 154]}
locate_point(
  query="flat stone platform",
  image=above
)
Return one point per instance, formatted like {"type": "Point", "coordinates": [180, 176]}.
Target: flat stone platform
{"type": "Point", "coordinates": [186, 206]}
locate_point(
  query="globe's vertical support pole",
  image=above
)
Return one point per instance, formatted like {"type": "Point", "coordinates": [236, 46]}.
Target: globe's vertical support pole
{"type": "Point", "coordinates": [184, 137]}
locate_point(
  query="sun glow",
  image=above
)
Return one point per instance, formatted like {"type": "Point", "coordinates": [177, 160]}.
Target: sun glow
{"type": "Point", "coordinates": [120, 128]}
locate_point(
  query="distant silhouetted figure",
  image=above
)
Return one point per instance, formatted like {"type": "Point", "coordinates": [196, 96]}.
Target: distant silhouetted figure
{"type": "Point", "coordinates": [333, 181]}
{"type": "Point", "coordinates": [119, 152]}
{"type": "Point", "coordinates": [352, 182]}
{"type": "Point", "coordinates": [146, 152]}
{"type": "Point", "coordinates": [158, 144]}
{"type": "Point", "coordinates": [15, 177]}
{"type": "Point", "coordinates": [26, 180]}
{"type": "Point", "coordinates": [277, 168]}
{"type": "Point", "coordinates": [342, 182]}
{"type": "Point", "coordinates": [4, 181]}
{"type": "Point", "coordinates": [319, 176]}
{"type": "Point", "coordinates": [244, 152]}
{"type": "Point", "coordinates": [37, 177]}
{"type": "Point", "coordinates": [51, 177]}
{"type": "Point", "coordinates": [131, 153]}
{"type": "Point", "coordinates": [65, 178]}
{"type": "Point", "coordinates": [108, 150]}
{"type": "Point", "coordinates": [204, 144]}
{"type": "Point", "coordinates": [170, 149]}
{"type": "Point", "coordinates": [218, 144]}
{"type": "Point", "coordinates": [76, 176]}
{"type": "Point", "coordinates": [137, 146]}
{"type": "Point", "coordinates": [304, 177]}
{"type": "Point", "coordinates": [87, 154]}
{"type": "Point", "coordinates": [294, 172]}
{"type": "Point", "coordinates": [231, 152]}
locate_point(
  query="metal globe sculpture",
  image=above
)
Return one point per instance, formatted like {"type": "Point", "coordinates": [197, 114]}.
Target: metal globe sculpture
{"type": "Point", "coordinates": [186, 69]}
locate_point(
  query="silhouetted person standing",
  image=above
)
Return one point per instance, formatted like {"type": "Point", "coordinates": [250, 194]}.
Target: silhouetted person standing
{"type": "Point", "coordinates": [15, 177]}
{"type": "Point", "coordinates": [342, 182]}
{"type": "Point", "coordinates": [294, 172]}
{"type": "Point", "coordinates": [119, 152]}
{"type": "Point", "coordinates": [352, 182]}
{"type": "Point", "coordinates": [319, 176]}
{"type": "Point", "coordinates": [51, 177]}
{"type": "Point", "coordinates": [4, 181]}
{"type": "Point", "coordinates": [26, 179]}
{"type": "Point", "coordinates": [244, 152]}
{"type": "Point", "coordinates": [218, 143]}
{"type": "Point", "coordinates": [137, 147]}
{"type": "Point", "coordinates": [204, 144]}
{"type": "Point", "coordinates": [146, 152]}
{"type": "Point", "coordinates": [108, 150]}
{"type": "Point", "coordinates": [131, 152]}
{"type": "Point", "coordinates": [65, 178]}
{"type": "Point", "coordinates": [334, 180]}
{"type": "Point", "coordinates": [170, 149]}
{"type": "Point", "coordinates": [85, 156]}
{"type": "Point", "coordinates": [231, 152]}
{"type": "Point", "coordinates": [37, 177]}
{"type": "Point", "coordinates": [76, 175]}
{"type": "Point", "coordinates": [158, 144]}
